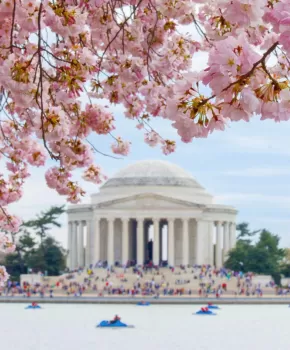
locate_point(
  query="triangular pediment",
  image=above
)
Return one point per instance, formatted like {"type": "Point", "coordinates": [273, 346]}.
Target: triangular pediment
{"type": "Point", "coordinates": [149, 201]}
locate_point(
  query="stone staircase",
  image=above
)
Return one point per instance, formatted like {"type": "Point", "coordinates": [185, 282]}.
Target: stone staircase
{"type": "Point", "coordinates": [164, 274]}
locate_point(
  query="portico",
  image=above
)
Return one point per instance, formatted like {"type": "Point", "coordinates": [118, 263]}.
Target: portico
{"type": "Point", "coordinates": [174, 210]}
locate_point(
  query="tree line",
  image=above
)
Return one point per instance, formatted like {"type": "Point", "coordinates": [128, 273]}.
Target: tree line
{"type": "Point", "coordinates": [259, 252]}
{"type": "Point", "coordinates": [36, 250]}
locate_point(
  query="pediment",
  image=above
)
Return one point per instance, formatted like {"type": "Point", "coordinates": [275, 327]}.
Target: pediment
{"type": "Point", "coordinates": [149, 201]}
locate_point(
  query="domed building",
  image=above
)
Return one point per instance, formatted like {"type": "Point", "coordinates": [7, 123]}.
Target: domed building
{"type": "Point", "coordinates": [151, 210]}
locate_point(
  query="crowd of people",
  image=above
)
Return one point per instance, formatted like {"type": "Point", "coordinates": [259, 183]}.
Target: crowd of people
{"type": "Point", "coordinates": [196, 281]}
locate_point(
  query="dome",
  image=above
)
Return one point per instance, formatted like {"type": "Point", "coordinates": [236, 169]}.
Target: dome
{"type": "Point", "coordinates": [152, 173]}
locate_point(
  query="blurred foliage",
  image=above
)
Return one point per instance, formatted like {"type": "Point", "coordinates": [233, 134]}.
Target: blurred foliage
{"type": "Point", "coordinates": [46, 256]}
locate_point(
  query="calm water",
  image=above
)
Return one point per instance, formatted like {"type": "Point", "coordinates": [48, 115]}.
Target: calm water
{"type": "Point", "coordinates": [72, 327]}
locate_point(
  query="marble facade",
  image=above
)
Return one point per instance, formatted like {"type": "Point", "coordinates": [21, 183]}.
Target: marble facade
{"type": "Point", "coordinates": [156, 196]}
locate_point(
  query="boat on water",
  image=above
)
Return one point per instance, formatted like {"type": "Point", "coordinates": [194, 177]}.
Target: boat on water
{"type": "Point", "coordinates": [33, 307]}
{"type": "Point", "coordinates": [205, 311]}
{"type": "Point", "coordinates": [214, 307]}
{"type": "Point", "coordinates": [143, 303]}
{"type": "Point", "coordinates": [117, 324]}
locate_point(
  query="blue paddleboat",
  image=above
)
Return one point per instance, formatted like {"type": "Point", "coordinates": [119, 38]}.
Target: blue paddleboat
{"type": "Point", "coordinates": [118, 324]}
{"type": "Point", "coordinates": [33, 307]}
{"type": "Point", "coordinates": [215, 307]}
{"type": "Point", "coordinates": [143, 303]}
{"type": "Point", "coordinates": [205, 311]}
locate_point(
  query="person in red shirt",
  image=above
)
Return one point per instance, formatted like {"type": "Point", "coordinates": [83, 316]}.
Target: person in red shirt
{"type": "Point", "coordinates": [115, 319]}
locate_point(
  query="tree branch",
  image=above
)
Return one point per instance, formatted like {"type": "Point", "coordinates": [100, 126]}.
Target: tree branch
{"type": "Point", "coordinates": [12, 26]}
{"type": "Point", "coordinates": [103, 154]}
{"type": "Point", "coordinates": [244, 76]}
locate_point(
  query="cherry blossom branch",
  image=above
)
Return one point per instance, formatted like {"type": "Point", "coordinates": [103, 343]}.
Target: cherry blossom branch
{"type": "Point", "coordinates": [40, 83]}
{"type": "Point", "coordinates": [248, 74]}
{"type": "Point", "coordinates": [103, 154]}
{"type": "Point", "coordinates": [6, 215]}
{"type": "Point", "coordinates": [150, 42]}
{"type": "Point", "coordinates": [39, 91]}
{"type": "Point", "coordinates": [12, 25]}
{"type": "Point", "coordinates": [274, 81]}
{"type": "Point", "coordinates": [243, 77]}
{"type": "Point", "coordinates": [200, 31]}
{"type": "Point", "coordinates": [117, 33]}
{"type": "Point", "coordinates": [54, 56]}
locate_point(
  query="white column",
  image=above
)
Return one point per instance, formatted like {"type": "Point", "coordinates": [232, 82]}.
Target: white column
{"type": "Point", "coordinates": [145, 234]}
{"type": "Point", "coordinates": [81, 260]}
{"type": "Point", "coordinates": [232, 235]}
{"type": "Point", "coordinates": [185, 242]}
{"type": "Point", "coordinates": [111, 253]}
{"type": "Point", "coordinates": [89, 243]}
{"type": "Point", "coordinates": [210, 242]}
{"type": "Point", "coordinates": [69, 246]}
{"type": "Point", "coordinates": [96, 233]}
{"type": "Point", "coordinates": [170, 238]}
{"type": "Point", "coordinates": [198, 244]}
{"type": "Point", "coordinates": [160, 242]}
{"type": "Point", "coordinates": [140, 241]}
{"type": "Point", "coordinates": [75, 245]}
{"type": "Point", "coordinates": [156, 257]}
{"type": "Point", "coordinates": [218, 250]}
{"type": "Point", "coordinates": [125, 241]}
{"type": "Point", "coordinates": [226, 241]}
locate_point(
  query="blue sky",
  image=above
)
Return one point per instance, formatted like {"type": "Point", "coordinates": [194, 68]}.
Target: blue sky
{"type": "Point", "coordinates": [247, 166]}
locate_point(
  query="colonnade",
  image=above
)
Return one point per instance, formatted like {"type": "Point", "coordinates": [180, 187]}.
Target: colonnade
{"type": "Point", "coordinates": [189, 241]}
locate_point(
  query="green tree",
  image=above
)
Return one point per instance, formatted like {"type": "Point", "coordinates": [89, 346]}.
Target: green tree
{"type": "Point", "coordinates": [261, 261]}
{"type": "Point", "coordinates": [263, 257]}
{"type": "Point", "coordinates": [50, 257]}
{"type": "Point", "coordinates": [14, 266]}
{"type": "Point", "coordinates": [285, 264]}
{"type": "Point", "coordinates": [45, 221]}
{"type": "Point", "coordinates": [245, 232]}
{"type": "Point", "coordinates": [238, 257]}
{"type": "Point", "coordinates": [55, 257]}
{"type": "Point", "coordinates": [47, 256]}
{"type": "Point", "coordinates": [16, 263]}
{"type": "Point", "coordinates": [270, 242]}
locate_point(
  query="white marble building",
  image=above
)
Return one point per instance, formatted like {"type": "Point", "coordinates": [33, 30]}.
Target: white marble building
{"type": "Point", "coordinates": [148, 196]}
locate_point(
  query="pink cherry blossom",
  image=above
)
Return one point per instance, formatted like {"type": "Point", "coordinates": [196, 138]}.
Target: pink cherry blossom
{"type": "Point", "coordinates": [152, 138]}
{"type": "Point", "coordinates": [94, 174]}
{"type": "Point", "coordinates": [168, 146]}
{"type": "Point", "coordinates": [121, 147]}
{"type": "Point", "coordinates": [9, 222]}
{"type": "Point", "coordinates": [4, 276]}
{"type": "Point", "coordinates": [6, 245]}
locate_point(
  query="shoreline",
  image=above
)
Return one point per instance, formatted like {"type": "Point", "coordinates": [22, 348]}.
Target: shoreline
{"type": "Point", "coordinates": [159, 301]}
